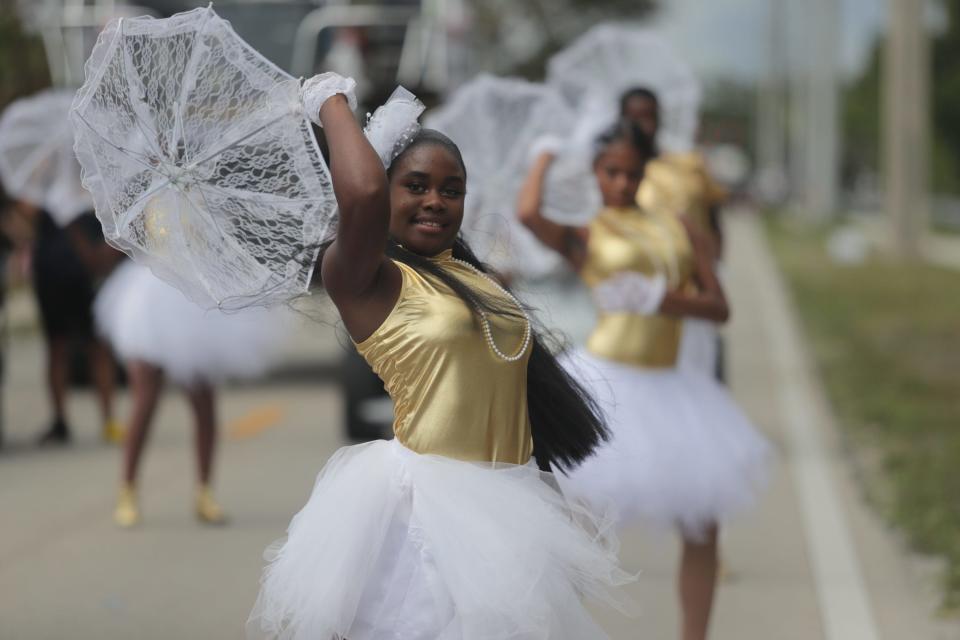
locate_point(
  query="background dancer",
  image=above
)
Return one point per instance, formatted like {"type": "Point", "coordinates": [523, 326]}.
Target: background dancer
{"type": "Point", "coordinates": [681, 454]}
{"type": "Point", "coordinates": [64, 290]}
{"type": "Point", "coordinates": [679, 183]}
{"type": "Point", "coordinates": [161, 335]}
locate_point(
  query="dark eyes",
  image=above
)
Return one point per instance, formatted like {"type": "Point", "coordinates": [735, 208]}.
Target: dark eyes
{"type": "Point", "coordinates": [419, 188]}
{"type": "Point", "coordinates": [632, 175]}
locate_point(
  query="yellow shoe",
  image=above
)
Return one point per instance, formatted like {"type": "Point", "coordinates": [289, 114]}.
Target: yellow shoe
{"type": "Point", "coordinates": [127, 513]}
{"type": "Point", "coordinates": [208, 511]}
{"type": "Point", "coordinates": [113, 432]}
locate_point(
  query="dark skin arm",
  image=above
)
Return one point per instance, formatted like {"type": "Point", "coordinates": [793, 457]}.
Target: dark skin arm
{"type": "Point", "coordinates": [716, 228]}
{"type": "Point", "coordinates": [708, 301]}
{"type": "Point", "coordinates": [18, 224]}
{"type": "Point", "coordinates": [570, 242]}
{"type": "Point", "coordinates": [362, 282]}
{"type": "Point", "coordinates": [98, 257]}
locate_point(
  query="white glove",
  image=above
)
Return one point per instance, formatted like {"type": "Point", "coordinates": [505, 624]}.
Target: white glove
{"type": "Point", "coordinates": [315, 91]}
{"type": "Point", "coordinates": [547, 143]}
{"type": "Point", "coordinates": [631, 292]}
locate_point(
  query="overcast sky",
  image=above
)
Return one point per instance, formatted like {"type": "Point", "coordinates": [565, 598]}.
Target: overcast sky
{"type": "Point", "coordinates": [731, 37]}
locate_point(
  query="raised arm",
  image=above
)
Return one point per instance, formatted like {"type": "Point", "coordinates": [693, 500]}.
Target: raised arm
{"type": "Point", "coordinates": [350, 265]}
{"type": "Point", "coordinates": [359, 278]}
{"type": "Point", "coordinates": [708, 301]}
{"type": "Point", "coordinates": [570, 242]}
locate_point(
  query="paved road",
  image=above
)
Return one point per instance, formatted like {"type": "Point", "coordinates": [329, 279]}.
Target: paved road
{"type": "Point", "coordinates": [810, 563]}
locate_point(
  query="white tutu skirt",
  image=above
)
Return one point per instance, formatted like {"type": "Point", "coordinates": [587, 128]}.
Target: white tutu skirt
{"type": "Point", "coordinates": [402, 546]}
{"type": "Point", "coordinates": [681, 453]}
{"type": "Point", "coordinates": [144, 318]}
{"type": "Point", "coordinates": [699, 346]}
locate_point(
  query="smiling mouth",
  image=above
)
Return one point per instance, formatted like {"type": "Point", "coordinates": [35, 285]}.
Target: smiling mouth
{"type": "Point", "coordinates": [432, 225]}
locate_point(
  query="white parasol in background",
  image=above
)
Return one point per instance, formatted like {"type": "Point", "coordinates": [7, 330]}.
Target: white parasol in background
{"type": "Point", "coordinates": [609, 59]}
{"type": "Point", "coordinates": [37, 163]}
{"type": "Point", "coordinates": [495, 121]}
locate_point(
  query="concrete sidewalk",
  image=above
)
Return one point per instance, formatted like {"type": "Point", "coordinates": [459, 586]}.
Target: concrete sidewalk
{"type": "Point", "coordinates": [810, 563]}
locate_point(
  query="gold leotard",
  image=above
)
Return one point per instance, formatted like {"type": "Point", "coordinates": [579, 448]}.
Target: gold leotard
{"type": "Point", "coordinates": [452, 395]}
{"type": "Point", "coordinates": [647, 242]}
{"type": "Point", "coordinates": [679, 183]}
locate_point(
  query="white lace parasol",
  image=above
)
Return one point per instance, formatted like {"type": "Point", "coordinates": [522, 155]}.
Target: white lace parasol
{"type": "Point", "coordinates": [495, 121]}
{"type": "Point", "coordinates": [37, 164]}
{"type": "Point", "coordinates": [200, 160]}
{"type": "Point", "coordinates": [610, 59]}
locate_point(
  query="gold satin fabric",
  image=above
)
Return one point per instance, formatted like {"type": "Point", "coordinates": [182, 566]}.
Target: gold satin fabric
{"type": "Point", "coordinates": [647, 242]}
{"type": "Point", "coordinates": [452, 395]}
{"type": "Point", "coordinates": [679, 183]}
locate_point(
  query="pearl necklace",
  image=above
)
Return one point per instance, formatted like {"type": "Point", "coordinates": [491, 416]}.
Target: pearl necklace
{"type": "Point", "coordinates": [485, 322]}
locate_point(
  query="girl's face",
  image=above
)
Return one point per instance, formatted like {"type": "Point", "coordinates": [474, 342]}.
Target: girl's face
{"type": "Point", "coordinates": [642, 112]}
{"type": "Point", "coordinates": [619, 170]}
{"type": "Point", "coordinates": [427, 188]}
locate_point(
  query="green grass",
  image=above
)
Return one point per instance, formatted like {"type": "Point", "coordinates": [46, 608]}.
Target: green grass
{"type": "Point", "coordinates": [946, 229]}
{"type": "Point", "coordinates": [886, 337]}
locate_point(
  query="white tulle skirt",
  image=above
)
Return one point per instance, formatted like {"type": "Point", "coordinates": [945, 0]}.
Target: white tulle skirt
{"type": "Point", "coordinates": [402, 546]}
{"type": "Point", "coordinates": [699, 346]}
{"type": "Point", "coordinates": [681, 453]}
{"type": "Point", "coordinates": [144, 318]}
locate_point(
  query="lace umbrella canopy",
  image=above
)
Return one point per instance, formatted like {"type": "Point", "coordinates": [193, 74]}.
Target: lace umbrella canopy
{"type": "Point", "coordinates": [495, 121]}
{"type": "Point", "coordinates": [37, 164]}
{"type": "Point", "coordinates": [599, 66]}
{"type": "Point", "coordinates": [200, 160]}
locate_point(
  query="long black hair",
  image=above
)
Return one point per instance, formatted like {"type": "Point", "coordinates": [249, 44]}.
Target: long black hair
{"type": "Point", "coordinates": [565, 420]}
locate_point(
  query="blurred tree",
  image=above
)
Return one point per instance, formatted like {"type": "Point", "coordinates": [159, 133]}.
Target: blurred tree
{"type": "Point", "coordinates": [862, 104]}
{"type": "Point", "coordinates": [860, 112]}
{"type": "Point", "coordinates": [946, 103]}
{"type": "Point", "coordinates": [23, 63]}
{"type": "Point", "coordinates": [727, 113]}
{"type": "Point", "coordinates": [517, 38]}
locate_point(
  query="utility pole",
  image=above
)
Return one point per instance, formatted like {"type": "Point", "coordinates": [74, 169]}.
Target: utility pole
{"type": "Point", "coordinates": [771, 121]}
{"type": "Point", "coordinates": [798, 69]}
{"type": "Point", "coordinates": [822, 161]}
{"type": "Point", "coordinates": [906, 122]}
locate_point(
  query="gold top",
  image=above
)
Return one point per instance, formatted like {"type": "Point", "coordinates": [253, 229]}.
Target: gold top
{"type": "Point", "coordinates": [650, 243]}
{"type": "Point", "coordinates": [679, 183]}
{"type": "Point", "coordinates": [452, 395]}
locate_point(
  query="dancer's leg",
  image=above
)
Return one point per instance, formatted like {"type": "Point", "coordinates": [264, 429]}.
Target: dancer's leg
{"type": "Point", "coordinates": [146, 382]}
{"type": "Point", "coordinates": [698, 580]}
{"type": "Point", "coordinates": [203, 402]}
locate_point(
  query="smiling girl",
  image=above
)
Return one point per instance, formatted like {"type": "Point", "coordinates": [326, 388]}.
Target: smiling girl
{"type": "Point", "coordinates": [449, 530]}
